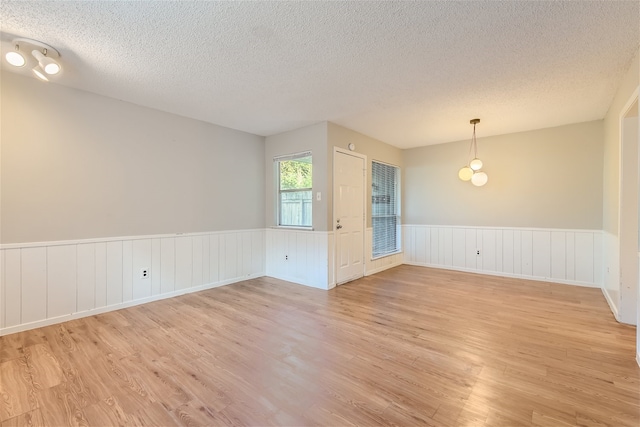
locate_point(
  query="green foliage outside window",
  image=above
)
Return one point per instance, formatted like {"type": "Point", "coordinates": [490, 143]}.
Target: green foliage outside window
{"type": "Point", "coordinates": [295, 173]}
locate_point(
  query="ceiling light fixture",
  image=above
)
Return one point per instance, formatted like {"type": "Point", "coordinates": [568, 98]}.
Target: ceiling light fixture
{"type": "Point", "coordinates": [15, 58]}
{"type": "Point", "coordinates": [50, 66]}
{"type": "Point", "coordinates": [471, 172]}
{"type": "Point", "coordinates": [45, 55]}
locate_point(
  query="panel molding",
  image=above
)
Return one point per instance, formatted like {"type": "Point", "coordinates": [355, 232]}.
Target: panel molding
{"type": "Point", "coordinates": [304, 257]}
{"type": "Point", "coordinates": [552, 255]}
{"type": "Point", "coordinates": [101, 275]}
{"type": "Point", "coordinates": [52, 282]}
{"type": "Point", "coordinates": [373, 266]}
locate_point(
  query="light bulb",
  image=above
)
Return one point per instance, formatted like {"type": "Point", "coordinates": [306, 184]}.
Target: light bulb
{"type": "Point", "coordinates": [40, 74]}
{"type": "Point", "coordinates": [15, 58]}
{"type": "Point", "coordinates": [49, 65]}
{"type": "Point", "coordinates": [465, 173]}
{"type": "Point", "coordinates": [52, 68]}
{"type": "Point", "coordinates": [479, 179]}
{"type": "Point", "coordinates": [476, 164]}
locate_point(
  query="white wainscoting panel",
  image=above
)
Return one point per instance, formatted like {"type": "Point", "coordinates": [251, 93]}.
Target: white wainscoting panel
{"type": "Point", "coordinates": [184, 262]}
{"type": "Point", "coordinates": [101, 274]}
{"type": "Point", "coordinates": [52, 282]}
{"type": "Point", "coordinates": [114, 273]}
{"type": "Point", "coordinates": [373, 266]}
{"type": "Point", "coordinates": [86, 277]}
{"type": "Point", "coordinates": [141, 259]}
{"type": "Point", "coordinates": [611, 271]}
{"type": "Point", "coordinates": [300, 256]}
{"type": "Point", "coordinates": [33, 286]}
{"type": "Point", "coordinates": [563, 256]}
{"type": "Point", "coordinates": [61, 268]}
{"type": "Point", "coordinates": [12, 287]}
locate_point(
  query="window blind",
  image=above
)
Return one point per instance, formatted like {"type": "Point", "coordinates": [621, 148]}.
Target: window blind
{"type": "Point", "coordinates": [384, 209]}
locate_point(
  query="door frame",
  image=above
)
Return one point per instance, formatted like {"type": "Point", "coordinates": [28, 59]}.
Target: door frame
{"type": "Point", "coordinates": [337, 150]}
{"type": "Point", "coordinates": [623, 315]}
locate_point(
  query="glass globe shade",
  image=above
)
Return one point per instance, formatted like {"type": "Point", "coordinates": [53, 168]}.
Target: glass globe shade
{"type": "Point", "coordinates": [479, 179]}
{"type": "Point", "coordinates": [14, 58]}
{"type": "Point", "coordinates": [476, 164]}
{"type": "Point", "coordinates": [465, 173]}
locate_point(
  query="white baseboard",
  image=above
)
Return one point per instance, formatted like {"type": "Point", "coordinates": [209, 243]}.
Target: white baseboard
{"type": "Point", "coordinates": [612, 306]}
{"type": "Point", "coordinates": [299, 281]}
{"type": "Point", "coordinates": [501, 274]}
{"type": "Point", "coordinates": [79, 315]}
{"type": "Point", "coordinates": [383, 268]}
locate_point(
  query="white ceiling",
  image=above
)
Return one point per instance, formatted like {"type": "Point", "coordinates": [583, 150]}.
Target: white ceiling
{"type": "Point", "coordinates": [407, 73]}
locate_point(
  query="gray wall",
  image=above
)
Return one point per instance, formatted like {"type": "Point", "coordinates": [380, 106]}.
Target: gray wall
{"type": "Point", "coordinates": [374, 149]}
{"type": "Point", "coordinates": [320, 139]}
{"type": "Point", "coordinates": [548, 178]}
{"type": "Point", "coordinates": [310, 138]}
{"type": "Point", "coordinates": [78, 165]}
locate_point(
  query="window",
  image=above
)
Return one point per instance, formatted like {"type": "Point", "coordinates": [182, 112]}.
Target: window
{"type": "Point", "coordinates": [294, 190]}
{"type": "Point", "coordinates": [384, 209]}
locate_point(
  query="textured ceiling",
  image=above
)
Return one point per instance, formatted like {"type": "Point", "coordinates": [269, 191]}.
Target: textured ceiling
{"type": "Point", "coordinates": [407, 73]}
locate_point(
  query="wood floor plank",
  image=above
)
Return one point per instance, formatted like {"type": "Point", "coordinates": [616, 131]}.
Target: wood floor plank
{"type": "Point", "coordinates": [59, 407]}
{"type": "Point", "coordinates": [408, 346]}
{"type": "Point", "coordinates": [18, 395]}
{"type": "Point", "coordinates": [28, 419]}
{"type": "Point", "coordinates": [43, 366]}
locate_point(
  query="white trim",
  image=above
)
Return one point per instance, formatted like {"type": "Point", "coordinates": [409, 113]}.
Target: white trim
{"type": "Point", "coordinates": [299, 282]}
{"type": "Point", "coordinates": [60, 319]}
{"type": "Point", "coordinates": [386, 163]}
{"type": "Point", "coordinates": [383, 268]}
{"type": "Point", "coordinates": [453, 248]}
{"type": "Point", "coordinates": [612, 306]}
{"type": "Point", "coordinates": [638, 358]}
{"type": "Point", "coordinates": [621, 118]}
{"type": "Point", "coordinates": [291, 227]}
{"type": "Point", "coordinates": [399, 251]}
{"type": "Point", "coordinates": [293, 156]}
{"type": "Point", "coordinates": [484, 227]}
{"type": "Point", "coordinates": [117, 239]}
{"type": "Point", "coordinates": [501, 274]}
{"type": "Point", "coordinates": [351, 279]}
{"type": "Point", "coordinates": [632, 99]}
{"type": "Point", "coordinates": [333, 214]}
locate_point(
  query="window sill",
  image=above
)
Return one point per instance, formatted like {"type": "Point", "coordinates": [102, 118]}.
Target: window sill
{"type": "Point", "coordinates": [292, 227]}
{"type": "Point", "coordinates": [386, 255]}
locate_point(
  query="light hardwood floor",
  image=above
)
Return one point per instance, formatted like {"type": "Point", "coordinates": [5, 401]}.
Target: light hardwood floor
{"type": "Point", "coordinates": [408, 346]}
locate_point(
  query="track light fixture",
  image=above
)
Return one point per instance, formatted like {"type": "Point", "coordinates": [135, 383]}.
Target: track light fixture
{"type": "Point", "coordinates": [44, 55]}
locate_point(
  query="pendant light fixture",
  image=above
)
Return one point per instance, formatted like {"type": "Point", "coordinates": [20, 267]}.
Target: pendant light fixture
{"type": "Point", "coordinates": [471, 172]}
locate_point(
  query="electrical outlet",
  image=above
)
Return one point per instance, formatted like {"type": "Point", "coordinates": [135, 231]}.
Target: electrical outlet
{"type": "Point", "coordinates": [478, 252]}
{"type": "Point", "coordinates": [144, 273]}
{"type": "Point", "coordinates": [286, 257]}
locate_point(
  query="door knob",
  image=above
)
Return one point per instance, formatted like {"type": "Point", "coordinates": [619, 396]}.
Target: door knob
{"type": "Point", "coordinates": [338, 227]}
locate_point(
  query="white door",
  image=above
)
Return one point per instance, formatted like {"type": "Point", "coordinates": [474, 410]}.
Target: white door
{"type": "Point", "coordinates": [348, 208]}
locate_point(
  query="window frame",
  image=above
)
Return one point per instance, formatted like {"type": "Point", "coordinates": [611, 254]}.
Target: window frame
{"type": "Point", "coordinates": [396, 214]}
{"type": "Point", "coordinates": [279, 191]}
